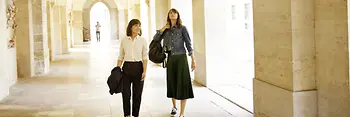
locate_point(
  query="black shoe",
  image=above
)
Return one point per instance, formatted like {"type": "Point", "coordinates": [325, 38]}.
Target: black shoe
{"type": "Point", "coordinates": [173, 112]}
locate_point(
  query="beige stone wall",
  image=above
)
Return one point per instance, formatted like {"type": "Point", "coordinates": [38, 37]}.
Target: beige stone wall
{"type": "Point", "coordinates": [332, 58]}
{"type": "Point", "coordinates": [284, 59]}
{"type": "Point", "coordinates": [302, 59]}
{"type": "Point", "coordinates": [8, 68]}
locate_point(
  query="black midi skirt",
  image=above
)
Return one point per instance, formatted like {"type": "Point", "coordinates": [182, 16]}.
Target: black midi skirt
{"type": "Point", "coordinates": [179, 85]}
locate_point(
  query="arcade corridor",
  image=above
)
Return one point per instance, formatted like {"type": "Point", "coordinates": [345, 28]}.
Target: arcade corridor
{"type": "Point", "coordinates": [76, 87]}
{"type": "Point", "coordinates": [272, 58]}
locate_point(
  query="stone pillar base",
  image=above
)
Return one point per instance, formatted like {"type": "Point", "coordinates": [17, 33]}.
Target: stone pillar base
{"type": "Point", "coordinates": [273, 101]}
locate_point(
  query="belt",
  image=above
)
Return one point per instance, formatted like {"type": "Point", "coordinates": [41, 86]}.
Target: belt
{"type": "Point", "coordinates": [132, 61]}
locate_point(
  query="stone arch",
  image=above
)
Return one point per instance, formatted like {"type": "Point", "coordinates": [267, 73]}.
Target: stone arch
{"type": "Point", "coordinates": [113, 11]}
{"type": "Point", "coordinates": [109, 3]}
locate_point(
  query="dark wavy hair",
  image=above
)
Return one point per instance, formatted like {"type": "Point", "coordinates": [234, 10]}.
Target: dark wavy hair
{"type": "Point", "coordinates": [132, 23]}
{"type": "Point", "coordinates": [178, 21]}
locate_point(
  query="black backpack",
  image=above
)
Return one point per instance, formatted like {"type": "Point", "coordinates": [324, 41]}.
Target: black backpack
{"type": "Point", "coordinates": [156, 53]}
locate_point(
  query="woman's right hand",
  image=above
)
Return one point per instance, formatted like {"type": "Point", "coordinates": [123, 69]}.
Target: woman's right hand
{"type": "Point", "coordinates": [165, 27]}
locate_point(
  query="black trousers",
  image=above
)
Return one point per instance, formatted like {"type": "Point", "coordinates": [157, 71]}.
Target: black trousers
{"type": "Point", "coordinates": [132, 74]}
{"type": "Point", "coordinates": [98, 35]}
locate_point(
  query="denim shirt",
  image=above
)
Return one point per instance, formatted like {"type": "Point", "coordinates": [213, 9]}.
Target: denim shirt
{"type": "Point", "coordinates": [175, 40]}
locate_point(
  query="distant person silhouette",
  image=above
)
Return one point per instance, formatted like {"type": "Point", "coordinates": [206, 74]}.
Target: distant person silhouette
{"type": "Point", "coordinates": [98, 31]}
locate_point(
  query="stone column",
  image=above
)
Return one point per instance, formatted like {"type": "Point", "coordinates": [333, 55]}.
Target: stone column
{"type": "Point", "coordinates": [209, 40]}
{"type": "Point", "coordinates": [285, 82]}
{"type": "Point", "coordinates": [69, 29]}
{"type": "Point", "coordinates": [51, 30]}
{"type": "Point", "coordinates": [64, 31]}
{"type": "Point", "coordinates": [137, 11]}
{"type": "Point", "coordinates": [123, 22]}
{"type": "Point", "coordinates": [86, 24]}
{"type": "Point", "coordinates": [200, 38]}
{"type": "Point", "coordinates": [129, 8]}
{"type": "Point", "coordinates": [130, 14]}
{"type": "Point", "coordinates": [77, 27]}
{"type": "Point", "coordinates": [33, 51]}
{"type": "Point", "coordinates": [144, 18]}
{"type": "Point", "coordinates": [161, 11]}
{"type": "Point", "coordinates": [134, 10]}
{"type": "Point", "coordinates": [152, 19]}
{"type": "Point", "coordinates": [332, 58]}
{"type": "Point", "coordinates": [71, 32]}
{"type": "Point", "coordinates": [199, 41]}
{"type": "Point", "coordinates": [56, 42]}
{"type": "Point", "coordinates": [41, 49]}
{"type": "Point", "coordinates": [114, 23]}
{"type": "Point", "coordinates": [24, 39]}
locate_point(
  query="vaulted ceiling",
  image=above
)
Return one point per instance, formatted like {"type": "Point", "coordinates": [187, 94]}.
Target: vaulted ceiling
{"type": "Point", "coordinates": [79, 4]}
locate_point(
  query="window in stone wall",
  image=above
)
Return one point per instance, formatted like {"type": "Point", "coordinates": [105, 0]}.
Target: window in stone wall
{"type": "Point", "coordinates": [233, 11]}
{"type": "Point", "coordinates": [246, 26]}
{"type": "Point", "coordinates": [247, 8]}
{"type": "Point", "coordinates": [247, 15]}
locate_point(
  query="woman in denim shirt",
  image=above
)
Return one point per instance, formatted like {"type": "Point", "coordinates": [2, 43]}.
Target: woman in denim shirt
{"type": "Point", "coordinates": [179, 86]}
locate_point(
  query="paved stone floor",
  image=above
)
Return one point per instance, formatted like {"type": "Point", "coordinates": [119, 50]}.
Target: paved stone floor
{"type": "Point", "coordinates": [76, 87]}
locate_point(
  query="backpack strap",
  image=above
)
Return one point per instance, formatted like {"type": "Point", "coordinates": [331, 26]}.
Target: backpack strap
{"type": "Point", "coordinates": [165, 60]}
{"type": "Point", "coordinates": [163, 64]}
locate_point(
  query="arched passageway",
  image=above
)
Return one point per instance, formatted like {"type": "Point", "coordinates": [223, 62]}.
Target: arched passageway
{"type": "Point", "coordinates": [113, 19]}
{"type": "Point", "coordinates": [100, 13]}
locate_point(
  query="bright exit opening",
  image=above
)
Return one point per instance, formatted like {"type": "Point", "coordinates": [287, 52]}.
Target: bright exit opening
{"type": "Point", "coordinates": [100, 13]}
{"type": "Point", "coordinates": [236, 83]}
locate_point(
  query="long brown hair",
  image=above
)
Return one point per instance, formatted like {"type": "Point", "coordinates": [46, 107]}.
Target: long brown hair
{"type": "Point", "coordinates": [178, 21]}
{"type": "Point", "coordinates": [132, 23]}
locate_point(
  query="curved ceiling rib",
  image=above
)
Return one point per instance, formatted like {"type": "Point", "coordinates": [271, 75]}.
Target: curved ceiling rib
{"type": "Point", "coordinates": [82, 4]}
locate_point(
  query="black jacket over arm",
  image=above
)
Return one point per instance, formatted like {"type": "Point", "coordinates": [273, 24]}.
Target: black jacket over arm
{"type": "Point", "coordinates": [115, 81]}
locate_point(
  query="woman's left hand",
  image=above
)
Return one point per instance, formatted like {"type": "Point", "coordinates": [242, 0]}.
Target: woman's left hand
{"type": "Point", "coordinates": [143, 76]}
{"type": "Point", "coordinates": [193, 66]}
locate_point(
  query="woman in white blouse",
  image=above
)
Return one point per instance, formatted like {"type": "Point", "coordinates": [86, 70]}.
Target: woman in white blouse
{"type": "Point", "coordinates": [133, 52]}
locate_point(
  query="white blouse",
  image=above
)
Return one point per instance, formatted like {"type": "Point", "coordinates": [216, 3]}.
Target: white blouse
{"type": "Point", "coordinates": [133, 50]}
